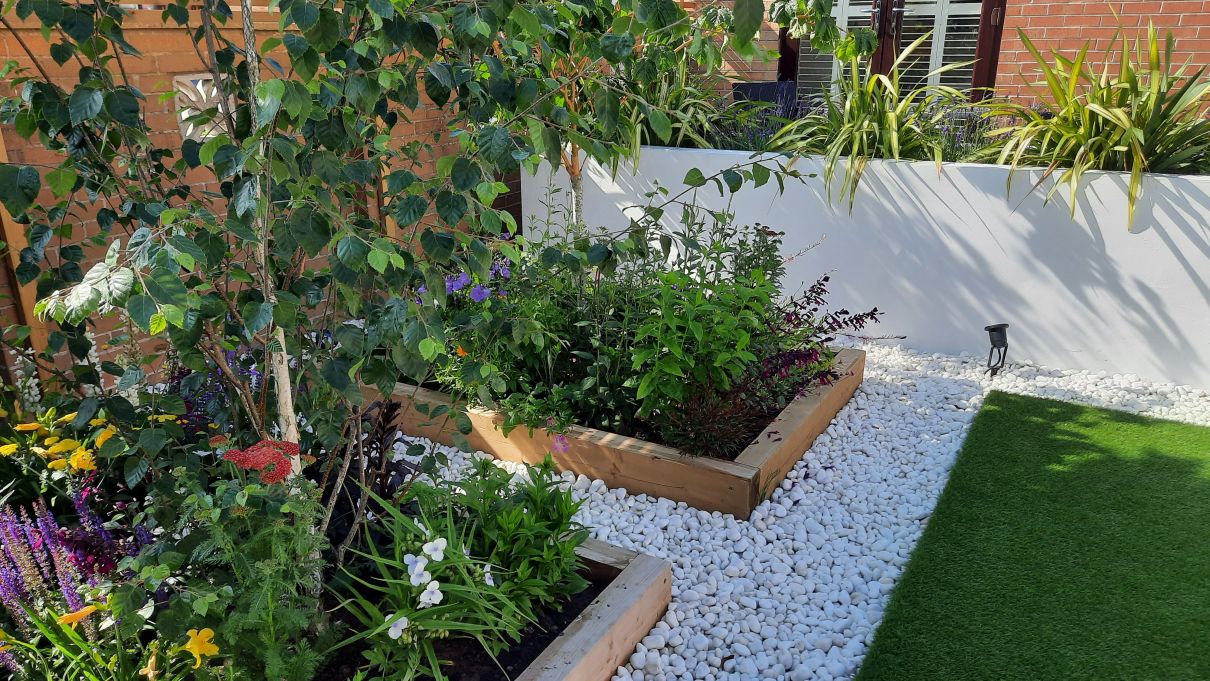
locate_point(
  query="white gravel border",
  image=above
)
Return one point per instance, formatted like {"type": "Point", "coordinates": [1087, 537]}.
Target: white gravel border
{"type": "Point", "coordinates": [796, 591]}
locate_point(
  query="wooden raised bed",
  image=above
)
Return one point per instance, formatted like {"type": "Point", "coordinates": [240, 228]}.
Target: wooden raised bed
{"type": "Point", "coordinates": [604, 635]}
{"type": "Point", "coordinates": [734, 487]}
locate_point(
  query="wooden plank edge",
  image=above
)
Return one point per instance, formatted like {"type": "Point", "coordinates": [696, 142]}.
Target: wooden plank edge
{"type": "Point", "coordinates": [808, 416]}
{"type": "Point", "coordinates": [597, 642]}
{"type": "Point", "coordinates": [608, 554]}
{"type": "Point", "coordinates": [623, 443]}
{"type": "Point", "coordinates": [758, 453]}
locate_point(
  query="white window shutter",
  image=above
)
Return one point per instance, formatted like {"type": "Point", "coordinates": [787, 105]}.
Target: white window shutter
{"type": "Point", "coordinates": [954, 26]}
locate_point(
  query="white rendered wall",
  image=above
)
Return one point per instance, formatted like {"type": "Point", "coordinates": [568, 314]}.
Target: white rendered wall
{"type": "Point", "coordinates": [945, 253]}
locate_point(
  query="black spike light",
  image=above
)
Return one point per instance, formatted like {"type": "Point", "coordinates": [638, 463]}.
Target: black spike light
{"type": "Point", "coordinates": [998, 334]}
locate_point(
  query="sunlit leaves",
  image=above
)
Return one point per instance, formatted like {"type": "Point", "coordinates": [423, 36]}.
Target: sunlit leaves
{"type": "Point", "coordinates": [749, 14]}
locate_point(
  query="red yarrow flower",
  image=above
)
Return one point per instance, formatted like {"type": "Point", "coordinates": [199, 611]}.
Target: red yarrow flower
{"type": "Point", "coordinates": [270, 457]}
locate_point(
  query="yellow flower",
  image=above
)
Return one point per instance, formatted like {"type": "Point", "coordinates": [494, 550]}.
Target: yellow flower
{"type": "Point", "coordinates": [27, 427]}
{"type": "Point", "coordinates": [51, 440]}
{"type": "Point", "coordinates": [201, 643]}
{"type": "Point", "coordinates": [3, 413]}
{"type": "Point", "coordinates": [63, 446]}
{"type": "Point", "coordinates": [74, 618]}
{"type": "Point", "coordinates": [82, 460]}
{"type": "Point", "coordinates": [104, 436]}
{"type": "Point", "coordinates": [162, 417]}
{"type": "Point", "coordinates": [151, 671]}
{"type": "Point", "coordinates": [9, 449]}
{"type": "Point", "coordinates": [66, 417]}
{"type": "Point", "coordinates": [97, 422]}
{"type": "Point", "coordinates": [57, 464]}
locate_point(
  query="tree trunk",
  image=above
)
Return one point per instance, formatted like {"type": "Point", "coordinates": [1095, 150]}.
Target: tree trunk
{"type": "Point", "coordinates": [577, 199]}
{"type": "Point", "coordinates": [279, 361]}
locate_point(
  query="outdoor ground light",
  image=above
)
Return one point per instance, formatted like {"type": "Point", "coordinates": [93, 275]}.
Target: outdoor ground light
{"type": "Point", "coordinates": [998, 333]}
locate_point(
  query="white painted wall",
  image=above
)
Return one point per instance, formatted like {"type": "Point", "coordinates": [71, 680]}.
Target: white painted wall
{"type": "Point", "coordinates": [945, 253]}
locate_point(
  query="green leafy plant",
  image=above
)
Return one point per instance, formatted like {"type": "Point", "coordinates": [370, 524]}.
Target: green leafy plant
{"type": "Point", "coordinates": [871, 115]}
{"type": "Point", "coordinates": [238, 554]}
{"type": "Point", "coordinates": [698, 336]}
{"type": "Point", "coordinates": [1142, 113]}
{"type": "Point", "coordinates": [59, 651]}
{"type": "Point", "coordinates": [629, 331]}
{"type": "Point", "coordinates": [472, 560]}
{"type": "Point", "coordinates": [527, 531]}
{"type": "Point", "coordinates": [813, 19]}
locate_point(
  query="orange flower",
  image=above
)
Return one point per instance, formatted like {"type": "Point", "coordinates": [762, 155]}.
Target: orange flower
{"type": "Point", "coordinates": [104, 436]}
{"type": "Point", "coordinates": [82, 460]}
{"type": "Point", "coordinates": [461, 352]}
{"type": "Point", "coordinates": [152, 670]}
{"type": "Point", "coordinates": [63, 446]}
{"type": "Point", "coordinates": [74, 618]}
{"type": "Point", "coordinates": [201, 644]}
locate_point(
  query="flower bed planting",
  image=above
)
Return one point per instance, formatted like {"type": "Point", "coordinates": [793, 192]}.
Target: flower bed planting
{"type": "Point", "coordinates": [672, 366]}
{"type": "Point", "coordinates": [643, 467]}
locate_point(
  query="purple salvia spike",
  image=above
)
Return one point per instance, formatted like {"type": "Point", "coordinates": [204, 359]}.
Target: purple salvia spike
{"type": "Point", "coordinates": [9, 661]}
{"type": "Point", "coordinates": [12, 535]}
{"type": "Point", "coordinates": [67, 580]}
{"type": "Point", "coordinates": [36, 544]}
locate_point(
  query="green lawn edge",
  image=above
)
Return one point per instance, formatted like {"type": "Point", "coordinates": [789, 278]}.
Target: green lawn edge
{"type": "Point", "coordinates": [1069, 543]}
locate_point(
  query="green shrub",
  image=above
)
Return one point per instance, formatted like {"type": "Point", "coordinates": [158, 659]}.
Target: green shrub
{"type": "Point", "coordinates": [871, 115]}
{"type": "Point", "coordinates": [629, 334]}
{"type": "Point", "coordinates": [476, 559]}
{"type": "Point", "coordinates": [1141, 114]}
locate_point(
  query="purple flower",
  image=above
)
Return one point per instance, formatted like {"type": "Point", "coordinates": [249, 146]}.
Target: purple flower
{"type": "Point", "coordinates": [499, 269]}
{"type": "Point", "coordinates": [560, 444]}
{"type": "Point", "coordinates": [454, 284]}
{"type": "Point", "coordinates": [480, 293]}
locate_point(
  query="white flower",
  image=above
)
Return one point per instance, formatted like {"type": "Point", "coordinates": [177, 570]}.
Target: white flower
{"type": "Point", "coordinates": [399, 624]}
{"type": "Point", "coordinates": [416, 569]}
{"type": "Point", "coordinates": [487, 575]}
{"type": "Point", "coordinates": [435, 549]}
{"type": "Point", "coordinates": [431, 595]}
{"type": "Point", "coordinates": [415, 562]}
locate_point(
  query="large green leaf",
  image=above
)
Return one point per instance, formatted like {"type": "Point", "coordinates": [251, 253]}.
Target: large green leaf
{"type": "Point", "coordinates": [408, 210]}
{"type": "Point", "coordinates": [19, 187]}
{"type": "Point", "coordinates": [85, 103]}
{"type": "Point", "coordinates": [123, 107]}
{"type": "Point", "coordinates": [451, 207]}
{"type": "Point", "coordinates": [465, 174]}
{"type": "Point", "coordinates": [749, 15]}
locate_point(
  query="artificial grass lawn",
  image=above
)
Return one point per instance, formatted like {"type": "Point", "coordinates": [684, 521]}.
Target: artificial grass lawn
{"type": "Point", "coordinates": [1070, 543]}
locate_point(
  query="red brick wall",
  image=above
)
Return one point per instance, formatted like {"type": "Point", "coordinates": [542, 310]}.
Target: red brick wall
{"type": "Point", "coordinates": [1067, 25]}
